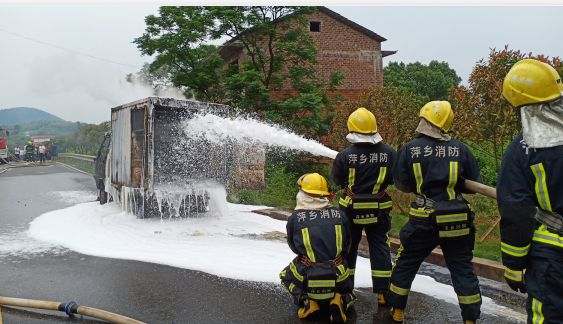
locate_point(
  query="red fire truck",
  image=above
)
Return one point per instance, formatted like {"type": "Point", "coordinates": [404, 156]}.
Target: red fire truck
{"type": "Point", "coordinates": [4, 143]}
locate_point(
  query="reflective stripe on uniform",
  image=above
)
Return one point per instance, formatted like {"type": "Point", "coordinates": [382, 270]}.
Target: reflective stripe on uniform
{"type": "Point", "coordinates": [365, 221]}
{"type": "Point", "coordinates": [541, 186]}
{"type": "Point", "coordinates": [544, 236]}
{"type": "Point", "coordinates": [320, 296]}
{"type": "Point", "coordinates": [345, 201]}
{"type": "Point", "coordinates": [537, 315]}
{"type": "Point", "coordinates": [419, 212]}
{"type": "Point", "coordinates": [417, 176]}
{"type": "Point", "coordinates": [291, 287]}
{"type": "Point", "coordinates": [514, 275]}
{"type": "Point", "coordinates": [380, 179]}
{"type": "Point", "coordinates": [453, 180]}
{"type": "Point", "coordinates": [473, 299]}
{"type": "Point", "coordinates": [385, 205]}
{"type": "Point", "coordinates": [296, 274]}
{"type": "Point", "coordinates": [307, 242]}
{"type": "Point", "coordinates": [365, 205]}
{"type": "Point", "coordinates": [381, 273]}
{"type": "Point", "coordinates": [343, 275]}
{"type": "Point", "coordinates": [352, 271]}
{"type": "Point", "coordinates": [321, 283]}
{"type": "Point", "coordinates": [338, 231]}
{"type": "Point", "coordinates": [351, 178]}
{"type": "Point", "coordinates": [282, 274]}
{"type": "Point", "coordinates": [455, 233]}
{"type": "Point", "coordinates": [398, 290]}
{"type": "Point", "coordinates": [514, 250]}
{"type": "Point", "coordinates": [451, 218]}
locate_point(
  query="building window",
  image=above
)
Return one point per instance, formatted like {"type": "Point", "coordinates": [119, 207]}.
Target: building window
{"type": "Point", "coordinates": [315, 26]}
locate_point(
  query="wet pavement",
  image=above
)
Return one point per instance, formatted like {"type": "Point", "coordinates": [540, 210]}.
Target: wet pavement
{"type": "Point", "coordinates": [149, 292]}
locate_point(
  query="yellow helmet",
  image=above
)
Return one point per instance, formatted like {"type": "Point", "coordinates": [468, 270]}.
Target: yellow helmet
{"type": "Point", "coordinates": [362, 121]}
{"type": "Point", "coordinates": [531, 81]}
{"type": "Point", "coordinates": [438, 113]}
{"type": "Point", "coordinates": [313, 184]}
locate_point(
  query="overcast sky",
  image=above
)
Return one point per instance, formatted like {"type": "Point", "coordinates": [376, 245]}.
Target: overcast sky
{"type": "Point", "coordinates": [77, 87]}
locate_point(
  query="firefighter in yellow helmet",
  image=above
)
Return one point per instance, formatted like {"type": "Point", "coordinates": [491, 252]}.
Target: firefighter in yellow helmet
{"type": "Point", "coordinates": [433, 166]}
{"type": "Point", "coordinates": [320, 236]}
{"type": "Point", "coordinates": [530, 191]}
{"type": "Point", "coordinates": [364, 170]}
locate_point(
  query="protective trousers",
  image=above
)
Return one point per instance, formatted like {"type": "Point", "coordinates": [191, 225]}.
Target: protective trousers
{"type": "Point", "coordinates": [418, 239]}
{"type": "Point", "coordinates": [544, 283]}
{"type": "Point", "coordinates": [294, 279]}
{"type": "Point", "coordinates": [379, 253]}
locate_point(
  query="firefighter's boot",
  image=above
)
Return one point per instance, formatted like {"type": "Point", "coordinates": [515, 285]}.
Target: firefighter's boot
{"type": "Point", "coordinates": [470, 322]}
{"type": "Point", "coordinates": [382, 300]}
{"type": "Point", "coordinates": [337, 309]}
{"type": "Point", "coordinates": [309, 308]}
{"type": "Point", "coordinates": [398, 315]}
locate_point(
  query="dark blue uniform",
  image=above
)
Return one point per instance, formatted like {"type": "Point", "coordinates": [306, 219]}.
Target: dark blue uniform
{"type": "Point", "coordinates": [434, 169]}
{"type": "Point", "coordinates": [531, 178]}
{"type": "Point", "coordinates": [321, 239]}
{"type": "Point", "coordinates": [366, 170]}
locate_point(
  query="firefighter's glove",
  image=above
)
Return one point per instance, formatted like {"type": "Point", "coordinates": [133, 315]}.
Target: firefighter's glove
{"type": "Point", "coordinates": [515, 280]}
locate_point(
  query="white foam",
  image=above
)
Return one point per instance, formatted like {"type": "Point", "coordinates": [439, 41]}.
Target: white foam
{"type": "Point", "coordinates": [73, 197]}
{"type": "Point", "coordinates": [225, 246]}
{"type": "Point", "coordinates": [217, 129]}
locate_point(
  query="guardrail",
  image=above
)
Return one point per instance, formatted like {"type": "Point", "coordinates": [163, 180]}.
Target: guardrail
{"type": "Point", "coordinates": [80, 161]}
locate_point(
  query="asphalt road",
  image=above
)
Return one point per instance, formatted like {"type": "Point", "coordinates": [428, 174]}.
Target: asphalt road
{"type": "Point", "coordinates": [149, 292]}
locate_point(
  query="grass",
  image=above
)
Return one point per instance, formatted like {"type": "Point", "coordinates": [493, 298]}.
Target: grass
{"type": "Point", "coordinates": [79, 164]}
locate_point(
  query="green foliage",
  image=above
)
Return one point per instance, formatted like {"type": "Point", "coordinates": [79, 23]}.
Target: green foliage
{"type": "Point", "coordinates": [266, 66]}
{"type": "Point", "coordinates": [21, 133]}
{"type": "Point", "coordinates": [432, 81]}
{"type": "Point", "coordinates": [85, 140]}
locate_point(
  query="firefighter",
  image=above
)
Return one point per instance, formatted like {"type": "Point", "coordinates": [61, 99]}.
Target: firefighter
{"type": "Point", "coordinates": [530, 191]}
{"type": "Point", "coordinates": [364, 170]}
{"type": "Point", "coordinates": [320, 236]}
{"type": "Point", "coordinates": [29, 152]}
{"type": "Point", "coordinates": [433, 167]}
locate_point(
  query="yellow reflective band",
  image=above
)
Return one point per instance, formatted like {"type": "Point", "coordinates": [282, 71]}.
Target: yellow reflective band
{"type": "Point", "coordinates": [381, 273]}
{"type": "Point", "coordinates": [417, 176]}
{"type": "Point", "coordinates": [473, 299]}
{"type": "Point", "coordinates": [321, 283]}
{"type": "Point", "coordinates": [352, 271]}
{"type": "Point", "coordinates": [398, 290]}
{"type": "Point", "coordinates": [419, 212]}
{"type": "Point", "coordinates": [514, 275]}
{"type": "Point", "coordinates": [514, 250]}
{"type": "Point", "coordinates": [537, 314]}
{"type": "Point", "coordinates": [307, 242]}
{"type": "Point", "coordinates": [282, 274]}
{"type": "Point", "coordinates": [455, 233]}
{"type": "Point", "coordinates": [364, 221]}
{"type": "Point", "coordinates": [338, 231]}
{"type": "Point", "coordinates": [380, 179]}
{"type": "Point", "coordinates": [453, 180]}
{"type": "Point", "coordinates": [291, 287]}
{"type": "Point", "coordinates": [296, 274]}
{"type": "Point", "coordinates": [351, 177]}
{"type": "Point", "coordinates": [451, 218]}
{"type": "Point", "coordinates": [343, 276]}
{"type": "Point", "coordinates": [365, 205]}
{"type": "Point", "coordinates": [541, 186]}
{"type": "Point", "coordinates": [320, 296]}
{"type": "Point", "coordinates": [385, 205]}
{"type": "Point", "coordinates": [345, 201]}
{"type": "Point", "coordinates": [341, 268]}
{"type": "Point", "coordinates": [544, 236]}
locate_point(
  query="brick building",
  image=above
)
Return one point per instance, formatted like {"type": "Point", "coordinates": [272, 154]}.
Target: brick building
{"type": "Point", "coordinates": [342, 45]}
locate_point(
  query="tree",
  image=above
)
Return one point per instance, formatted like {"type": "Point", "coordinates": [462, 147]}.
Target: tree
{"type": "Point", "coordinates": [279, 57]}
{"type": "Point", "coordinates": [433, 80]}
{"type": "Point", "coordinates": [482, 116]}
{"type": "Point", "coordinates": [395, 108]}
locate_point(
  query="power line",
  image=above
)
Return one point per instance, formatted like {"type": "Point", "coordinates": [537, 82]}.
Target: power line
{"type": "Point", "coordinates": [67, 49]}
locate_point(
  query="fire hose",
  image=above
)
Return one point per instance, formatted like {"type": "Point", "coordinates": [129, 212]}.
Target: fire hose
{"type": "Point", "coordinates": [69, 308]}
{"type": "Point", "coordinates": [482, 189]}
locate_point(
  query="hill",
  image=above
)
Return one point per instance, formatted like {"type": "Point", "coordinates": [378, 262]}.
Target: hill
{"type": "Point", "coordinates": [23, 115]}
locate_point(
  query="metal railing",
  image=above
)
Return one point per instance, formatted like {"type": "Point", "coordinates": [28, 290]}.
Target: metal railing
{"type": "Point", "coordinates": [80, 161]}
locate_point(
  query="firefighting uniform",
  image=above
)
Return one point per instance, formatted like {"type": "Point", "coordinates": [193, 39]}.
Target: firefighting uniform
{"type": "Point", "coordinates": [366, 170]}
{"type": "Point", "coordinates": [320, 238]}
{"type": "Point", "coordinates": [433, 169]}
{"type": "Point", "coordinates": [531, 178]}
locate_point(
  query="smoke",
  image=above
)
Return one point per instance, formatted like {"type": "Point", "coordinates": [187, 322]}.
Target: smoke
{"type": "Point", "coordinates": [78, 89]}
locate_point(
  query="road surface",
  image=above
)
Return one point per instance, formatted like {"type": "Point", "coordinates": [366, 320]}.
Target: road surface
{"type": "Point", "coordinates": [149, 292]}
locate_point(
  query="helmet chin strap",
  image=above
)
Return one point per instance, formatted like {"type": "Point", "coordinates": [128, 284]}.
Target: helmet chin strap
{"type": "Point", "coordinates": [542, 124]}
